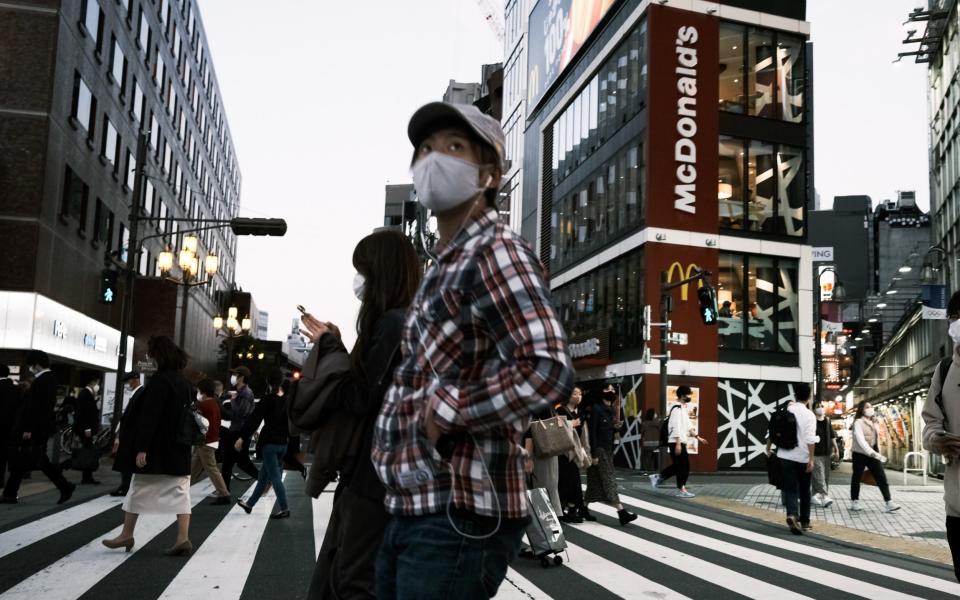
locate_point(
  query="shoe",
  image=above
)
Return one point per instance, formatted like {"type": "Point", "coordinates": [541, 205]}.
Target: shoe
{"type": "Point", "coordinates": [66, 494]}
{"type": "Point", "coordinates": [685, 494]}
{"type": "Point", "coordinates": [526, 553]}
{"type": "Point", "coordinates": [827, 501]}
{"type": "Point", "coordinates": [855, 506]}
{"type": "Point", "coordinates": [626, 516]}
{"type": "Point", "coordinates": [570, 517]}
{"type": "Point", "coordinates": [89, 482]}
{"type": "Point", "coordinates": [182, 549]}
{"type": "Point", "coordinates": [584, 513]}
{"type": "Point", "coordinates": [118, 492]}
{"type": "Point", "coordinates": [808, 526]}
{"type": "Point", "coordinates": [794, 525]}
{"type": "Point", "coordinates": [303, 473]}
{"type": "Point", "coordinates": [246, 508]}
{"type": "Point", "coordinates": [283, 514]}
{"type": "Point", "coordinates": [891, 507]}
{"type": "Point", "coordinates": [654, 480]}
{"type": "Point", "coordinates": [118, 543]}
{"type": "Point", "coordinates": [220, 501]}
{"type": "Point", "coordinates": [816, 501]}
{"type": "Point", "coordinates": [8, 500]}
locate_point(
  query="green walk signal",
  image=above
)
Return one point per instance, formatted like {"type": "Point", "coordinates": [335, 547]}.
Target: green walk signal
{"type": "Point", "coordinates": [108, 285]}
{"type": "Point", "coordinates": [708, 305]}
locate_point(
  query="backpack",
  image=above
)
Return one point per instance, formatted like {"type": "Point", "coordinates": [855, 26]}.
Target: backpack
{"type": "Point", "coordinates": [783, 428]}
{"type": "Point", "coordinates": [665, 428]}
{"type": "Point", "coordinates": [944, 369]}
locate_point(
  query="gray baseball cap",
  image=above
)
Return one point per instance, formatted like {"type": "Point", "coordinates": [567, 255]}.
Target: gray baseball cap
{"type": "Point", "coordinates": [429, 116]}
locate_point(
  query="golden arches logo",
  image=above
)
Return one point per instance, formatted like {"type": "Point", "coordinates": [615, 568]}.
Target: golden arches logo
{"type": "Point", "coordinates": [690, 272]}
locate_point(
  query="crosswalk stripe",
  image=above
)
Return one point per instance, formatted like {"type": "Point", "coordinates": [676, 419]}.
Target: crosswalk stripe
{"type": "Point", "coordinates": [219, 568]}
{"type": "Point", "coordinates": [904, 575]}
{"type": "Point", "coordinates": [517, 587]}
{"type": "Point", "coordinates": [772, 561]}
{"type": "Point", "coordinates": [23, 536]}
{"type": "Point", "coordinates": [617, 579]}
{"type": "Point", "coordinates": [702, 569]}
{"type": "Point", "coordinates": [322, 509]}
{"type": "Point", "coordinates": [74, 574]}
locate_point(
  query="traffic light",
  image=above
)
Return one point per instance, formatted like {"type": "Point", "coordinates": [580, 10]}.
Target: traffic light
{"type": "Point", "coordinates": [245, 226]}
{"type": "Point", "coordinates": [708, 305]}
{"type": "Point", "coordinates": [108, 285]}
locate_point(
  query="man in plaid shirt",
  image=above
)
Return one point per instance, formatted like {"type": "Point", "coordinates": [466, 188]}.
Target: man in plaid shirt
{"type": "Point", "coordinates": [481, 351]}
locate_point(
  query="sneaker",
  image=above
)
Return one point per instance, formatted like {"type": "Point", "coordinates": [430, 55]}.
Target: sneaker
{"type": "Point", "coordinates": [855, 506]}
{"type": "Point", "coordinates": [816, 501]}
{"type": "Point", "coordinates": [808, 526]}
{"type": "Point", "coordinates": [685, 494]}
{"type": "Point", "coordinates": [654, 480]}
{"type": "Point", "coordinates": [891, 507]}
{"type": "Point", "coordinates": [827, 501]}
{"type": "Point", "coordinates": [794, 525]}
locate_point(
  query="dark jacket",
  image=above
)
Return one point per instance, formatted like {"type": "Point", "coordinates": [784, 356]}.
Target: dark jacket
{"type": "Point", "coordinates": [88, 416]}
{"type": "Point", "coordinates": [37, 410]}
{"type": "Point", "coordinates": [272, 411]}
{"type": "Point", "coordinates": [9, 406]}
{"type": "Point", "coordinates": [601, 427]}
{"type": "Point", "coordinates": [150, 425]}
{"type": "Point", "coordinates": [242, 406]}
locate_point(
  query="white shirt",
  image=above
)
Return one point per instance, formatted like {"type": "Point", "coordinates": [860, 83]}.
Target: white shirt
{"type": "Point", "coordinates": [806, 434]}
{"type": "Point", "coordinates": [678, 426]}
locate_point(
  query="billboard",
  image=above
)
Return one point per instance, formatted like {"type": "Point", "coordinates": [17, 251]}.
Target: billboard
{"type": "Point", "coordinates": [557, 31]}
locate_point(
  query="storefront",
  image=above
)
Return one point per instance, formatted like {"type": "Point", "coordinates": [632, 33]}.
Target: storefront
{"type": "Point", "coordinates": [717, 181]}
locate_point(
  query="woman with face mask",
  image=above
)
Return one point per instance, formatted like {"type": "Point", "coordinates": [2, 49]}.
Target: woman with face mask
{"type": "Point", "coordinates": [388, 273]}
{"type": "Point", "coordinates": [204, 457]}
{"type": "Point", "coordinates": [866, 455]}
{"type": "Point", "coordinates": [825, 449]}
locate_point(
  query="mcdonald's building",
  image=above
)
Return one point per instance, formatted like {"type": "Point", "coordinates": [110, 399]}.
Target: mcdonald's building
{"type": "Point", "coordinates": [666, 136]}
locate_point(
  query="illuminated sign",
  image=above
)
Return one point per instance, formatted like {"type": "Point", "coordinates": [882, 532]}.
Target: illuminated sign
{"type": "Point", "coordinates": [677, 268]}
{"type": "Point", "coordinates": [685, 148]}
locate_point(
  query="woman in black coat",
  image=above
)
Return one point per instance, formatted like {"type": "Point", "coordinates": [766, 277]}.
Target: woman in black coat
{"type": "Point", "coordinates": [388, 274]}
{"type": "Point", "coordinates": [148, 447]}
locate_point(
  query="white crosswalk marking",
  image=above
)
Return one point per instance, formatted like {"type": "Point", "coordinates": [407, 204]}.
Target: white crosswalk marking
{"type": "Point", "coordinates": [869, 566]}
{"type": "Point", "coordinates": [220, 567]}
{"type": "Point", "coordinates": [619, 580]}
{"type": "Point", "coordinates": [518, 587]}
{"type": "Point", "coordinates": [772, 561]}
{"type": "Point", "coordinates": [74, 574]}
{"type": "Point", "coordinates": [322, 508]}
{"type": "Point", "coordinates": [23, 536]}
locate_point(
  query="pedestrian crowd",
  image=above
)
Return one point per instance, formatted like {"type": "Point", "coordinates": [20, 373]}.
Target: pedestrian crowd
{"type": "Point", "coordinates": [451, 428]}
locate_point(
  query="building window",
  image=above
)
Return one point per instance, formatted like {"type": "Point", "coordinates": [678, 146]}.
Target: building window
{"type": "Point", "coordinates": [148, 197]}
{"type": "Point", "coordinates": [93, 22]}
{"type": "Point", "coordinates": [84, 105]}
{"type": "Point", "coordinates": [131, 167]}
{"type": "Point", "coordinates": [154, 132]}
{"type": "Point", "coordinates": [109, 147]}
{"type": "Point", "coordinates": [143, 35]}
{"type": "Point", "coordinates": [139, 101]}
{"type": "Point", "coordinates": [762, 73]}
{"type": "Point", "coordinates": [762, 187]}
{"type": "Point", "coordinates": [103, 224]}
{"type": "Point", "coordinates": [758, 303]}
{"type": "Point", "coordinates": [123, 242]}
{"type": "Point", "coordinates": [118, 66]}
{"type": "Point", "coordinates": [74, 202]}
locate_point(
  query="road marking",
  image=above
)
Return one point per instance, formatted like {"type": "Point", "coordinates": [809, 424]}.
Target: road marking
{"type": "Point", "coordinates": [518, 587]}
{"type": "Point", "coordinates": [903, 575]}
{"type": "Point", "coordinates": [322, 509]}
{"type": "Point", "coordinates": [772, 561]}
{"type": "Point", "coordinates": [220, 567]}
{"type": "Point", "coordinates": [23, 536]}
{"type": "Point", "coordinates": [615, 578]}
{"type": "Point", "coordinates": [74, 574]}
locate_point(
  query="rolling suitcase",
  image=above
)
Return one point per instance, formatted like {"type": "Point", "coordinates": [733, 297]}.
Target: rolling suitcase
{"type": "Point", "coordinates": [544, 532]}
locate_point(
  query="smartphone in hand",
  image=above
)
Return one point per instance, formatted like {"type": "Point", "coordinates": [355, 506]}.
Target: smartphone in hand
{"type": "Point", "coordinates": [302, 310]}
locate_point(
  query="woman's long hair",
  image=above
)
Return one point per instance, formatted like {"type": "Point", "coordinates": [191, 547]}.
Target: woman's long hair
{"type": "Point", "coordinates": [166, 353]}
{"type": "Point", "coordinates": [860, 408]}
{"type": "Point", "coordinates": [391, 273]}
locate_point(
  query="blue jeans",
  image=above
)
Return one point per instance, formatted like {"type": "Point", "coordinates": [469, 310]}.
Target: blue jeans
{"type": "Point", "coordinates": [271, 471]}
{"type": "Point", "coordinates": [796, 488]}
{"type": "Point", "coordinates": [423, 558]}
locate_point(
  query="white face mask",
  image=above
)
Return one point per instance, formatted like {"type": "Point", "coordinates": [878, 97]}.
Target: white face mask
{"type": "Point", "coordinates": [199, 396]}
{"type": "Point", "coordinates": [96, 388]}
{"type": "Point", "coordinates": [954, 332]}
{"type": "Point", "coordinates": [233, 380]}
{"type": "Point", "coordinates": [819, 412]}
{"type": "Point", "coordinates": [868, 412]}
{"type": "Point", "coordinates": [358, 282]}
{"type": "Point", "coordinates": [444, 182]}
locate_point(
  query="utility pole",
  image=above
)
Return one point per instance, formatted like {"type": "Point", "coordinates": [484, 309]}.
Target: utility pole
{"type": "Point", "coordinates": [129, 274]}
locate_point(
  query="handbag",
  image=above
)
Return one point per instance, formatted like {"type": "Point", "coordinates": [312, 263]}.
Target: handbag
{"type": "Point", "coordinates": [85, 459]}
{"type": "Point", "coordinates": [867, 478]}
{"type": "Point", "coordinates": [192, 428]}
{"type": "Point", "coordinates": [552, 437]}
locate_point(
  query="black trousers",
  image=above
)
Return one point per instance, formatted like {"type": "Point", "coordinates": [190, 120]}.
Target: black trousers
{"type": "Point", "coordinates": [231, 457]}
{"type": "Point", "coordinates": [861, 462]}
{"type": "Point", "coordinates": [41, 461]}
{"type": "Point", "coordinates": [679, 466]}
{"type": "Point", "coordinates": [87, 443]}
{"type": "Point", "coordinates": [953, 538]}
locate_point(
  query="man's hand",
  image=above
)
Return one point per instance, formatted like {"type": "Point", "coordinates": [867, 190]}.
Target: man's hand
{"type": "Point", "coordinates": [810, 466]}
{"type": "Point", "coordinates": [702, 441]}
{"type": "Point", "coordinates": [26, 435]}
{"type": "Point", "coordinates": [116, 446]}
{"type": "Point", "coordinates": [141, 459]}
{"type": "Point", "coordinates": [528, 464]}
{"type": "Point", "coordinates": [947, 446]}
{"type": "Point", "coordinates": [575, 423]}
{"type": "Point", "coordinates": [87, 432]}
{"type": "Point", "coordinates": [596, 460]}
{"type": "Point", "coordinates": [237, 445]}
{"type": "Point", "coordinates": [679, 448]}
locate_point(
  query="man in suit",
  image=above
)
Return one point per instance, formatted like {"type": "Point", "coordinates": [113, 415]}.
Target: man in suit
{"type": "Point", "coordinates": [87, 422]}
{"type": "Point", "coordinates": [34, 427]}
{"type": "Point", "coordinates": [9, 405]}
{"type": "Point", "coordinates": [135, 385]}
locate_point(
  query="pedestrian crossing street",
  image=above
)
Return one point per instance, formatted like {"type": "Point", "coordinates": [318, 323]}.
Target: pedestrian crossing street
{"type": "Point", "coordinates": [675, 550]}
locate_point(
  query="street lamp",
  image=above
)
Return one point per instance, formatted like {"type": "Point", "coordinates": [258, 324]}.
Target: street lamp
{"type": "Point", "coordinates": [929, 272]}
{"type": "Point", "coordinates": [189, 262]}
{"type": "Point", "coordinates": [839, 293]}
{"type": "Point", "coordinates": [231, 329]}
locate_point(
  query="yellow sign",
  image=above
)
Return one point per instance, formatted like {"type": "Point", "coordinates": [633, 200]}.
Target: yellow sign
{"type": "Point", "coordinates": [690, 272]}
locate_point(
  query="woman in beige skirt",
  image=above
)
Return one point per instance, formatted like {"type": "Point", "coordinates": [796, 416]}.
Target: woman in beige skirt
{"type": "Point", "coordinates": [149, 448]}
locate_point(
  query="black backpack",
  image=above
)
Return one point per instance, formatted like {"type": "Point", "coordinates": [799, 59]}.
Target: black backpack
{"type": "Point", "coordinates": [783, 428]}
{"type": "Point", "coordinates": [665, 428]}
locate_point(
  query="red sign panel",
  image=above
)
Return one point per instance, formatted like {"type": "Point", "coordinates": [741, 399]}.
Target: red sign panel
{"type": "Point", "coordinates": [683, 134]}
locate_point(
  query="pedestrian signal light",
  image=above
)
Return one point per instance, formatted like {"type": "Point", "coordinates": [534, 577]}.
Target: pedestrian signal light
{"type": "Point", "coordinates": [708, 305]}
{"type": "Point", "coordinates": [108, 285]}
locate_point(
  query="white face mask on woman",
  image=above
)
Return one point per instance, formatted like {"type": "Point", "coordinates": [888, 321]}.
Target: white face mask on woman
{"type": "Point", "coordinates": [199, 396]}
{"type": "Point", "coordinates": [869, 412]}
{"type": "Point", "coordinates": [954, 332]}
{"type": "Point", "coordinates": [359, 281]}
{"type": "Point", "coordinates": [819, 412]}
{"type": "Point", "coordinates": [444, 182]}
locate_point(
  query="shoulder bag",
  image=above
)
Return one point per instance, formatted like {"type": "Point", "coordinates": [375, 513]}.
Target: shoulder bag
{"type": "Point", "coordinates": [552, 437]}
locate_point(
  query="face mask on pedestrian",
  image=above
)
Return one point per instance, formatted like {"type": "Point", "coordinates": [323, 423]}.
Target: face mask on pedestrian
{"type": "Point", "coordinates": [233, 380]}
{"type": "Point", "coordinates": [358, 283]}
{"type": "Point", "coordinates": [96, 388]}
{"type": "Point", "coordinates": [869, 412]}
{"type": "Point", "coordinates": [819, 412]}
{"type": "Point", "coordinates": [444, 182]}
{"type": "Point", "coordinates": [199, 396]}
{"type": "Point", "coordinates": [954, 331]}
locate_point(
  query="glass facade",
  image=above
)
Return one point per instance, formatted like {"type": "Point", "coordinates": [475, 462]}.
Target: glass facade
{"type": "Point", "coordinates": [758, 302]}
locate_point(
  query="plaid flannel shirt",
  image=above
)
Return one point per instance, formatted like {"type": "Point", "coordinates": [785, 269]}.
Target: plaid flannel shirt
{"type": "Point", "coordinates": [482, 342]}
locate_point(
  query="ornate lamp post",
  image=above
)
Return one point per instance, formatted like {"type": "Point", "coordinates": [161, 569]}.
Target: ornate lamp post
{"type": "Point", "coordinates": [231, 329]}
{"type": "Point", "coordinates": [188, 259]}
